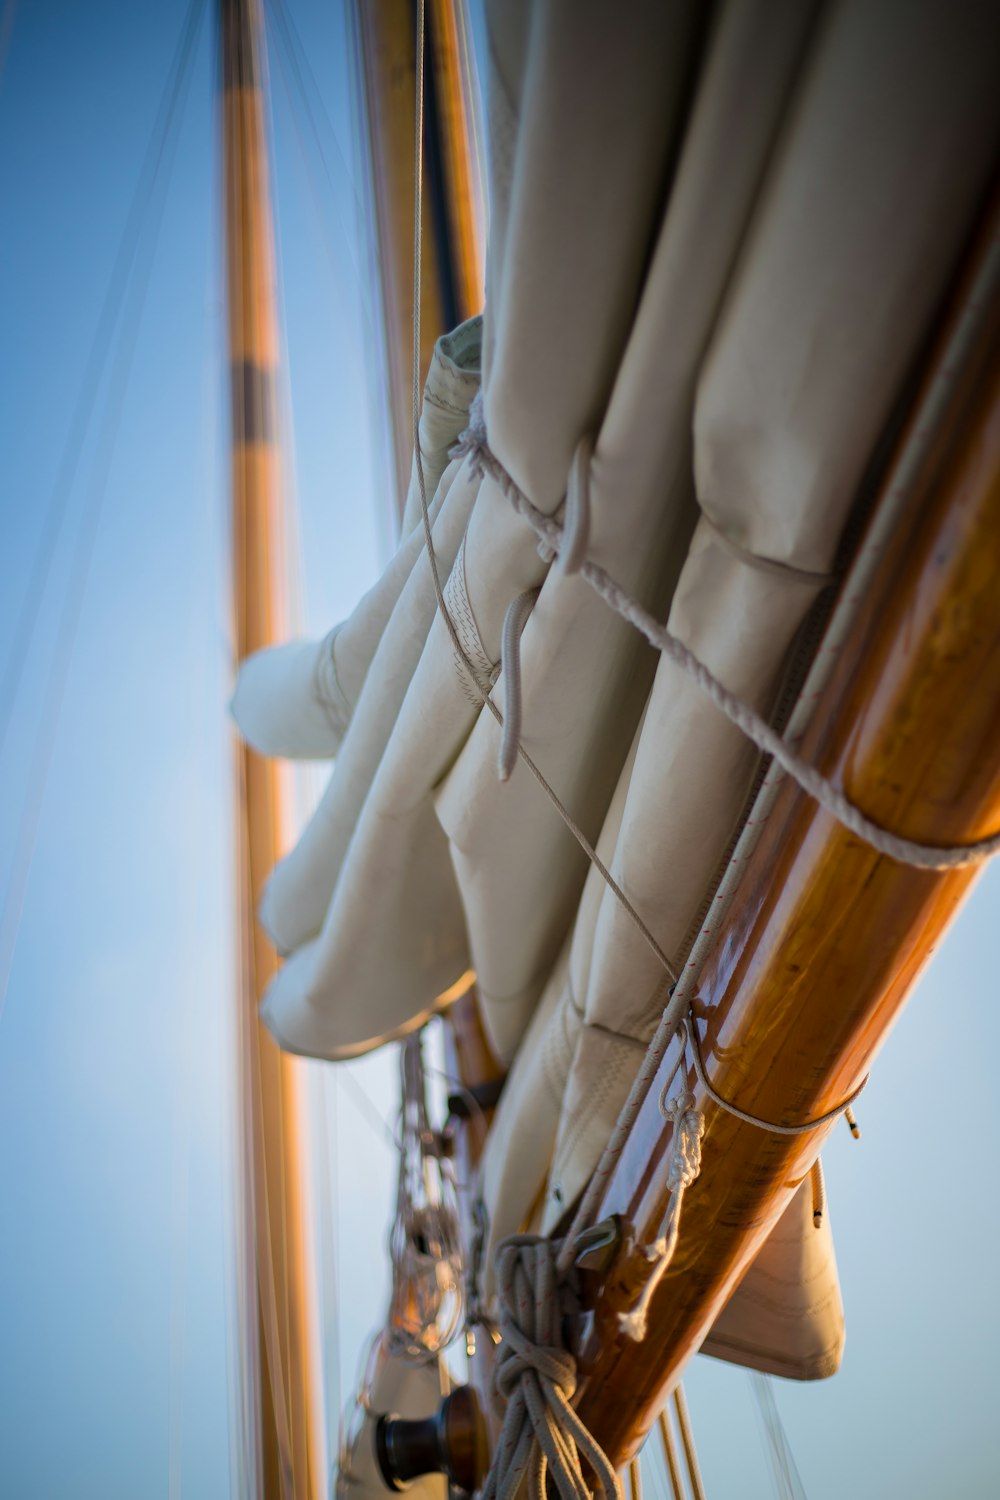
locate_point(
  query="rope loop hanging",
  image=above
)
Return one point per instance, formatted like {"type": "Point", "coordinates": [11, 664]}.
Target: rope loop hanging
{"type": "Point", "coordinates": [542, 1436]}
{"type": "Point", "coordinates": [683, 1168]}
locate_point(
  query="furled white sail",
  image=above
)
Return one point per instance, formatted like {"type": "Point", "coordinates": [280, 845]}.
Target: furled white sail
{"type": "Point", "coordinates": [716, 251]}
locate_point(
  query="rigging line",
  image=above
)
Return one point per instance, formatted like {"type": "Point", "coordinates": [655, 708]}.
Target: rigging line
{"type": "Point", "coordinates": [54, 513]}
{"type": "Point", "coordinates": [301, 66]}
{"type": "Point", "coordinates": [69, 619]}
{"type": "Point", "coordinates": [787, 1479]}
{"type": "Point", "coordinates": [306, 68]}
{"type": "Point", "coordinates": [369, 1111]}
{"type": "Point", "coordinates": [315, 196]}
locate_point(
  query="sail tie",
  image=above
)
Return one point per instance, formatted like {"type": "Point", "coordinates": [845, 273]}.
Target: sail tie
{"type": "Point", "coordinates": [474, 444]}
{"type": "Point", "coordinates": [514, 621]}
{"type": "Point", "coordinates": [576, 520]}
{"type": "Point", "coordinates": [771, 566]}
{"type": "Point", "coordinates": [536, 1376]}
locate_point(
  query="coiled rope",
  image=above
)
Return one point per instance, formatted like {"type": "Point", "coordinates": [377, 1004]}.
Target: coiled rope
{"type": "Point", "coordinates": [542, 1435]}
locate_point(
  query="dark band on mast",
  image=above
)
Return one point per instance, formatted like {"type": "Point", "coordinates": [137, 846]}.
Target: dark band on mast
{"type": "Point", "coordinates": [437, 191]}
{"type": "Point", "coordinates": [255, 406]}
{"type": "Point", "coordinates": [239, 57]}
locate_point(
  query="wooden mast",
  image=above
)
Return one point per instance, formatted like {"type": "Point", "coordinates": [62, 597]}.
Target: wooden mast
{"type": "Point", "coordinates": [453, 214]}
{"type": "Point", "coordinates": [285, 1437]}
{"type": "Point", "coordinates": [453, 259]}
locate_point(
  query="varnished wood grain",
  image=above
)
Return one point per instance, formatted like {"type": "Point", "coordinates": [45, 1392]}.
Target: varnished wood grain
{"type": "Point", "coordinates": [825, 937]}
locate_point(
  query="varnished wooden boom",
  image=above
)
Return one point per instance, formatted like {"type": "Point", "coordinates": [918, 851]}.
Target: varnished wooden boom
{"type": "Point", "coordinates": [825, 938]}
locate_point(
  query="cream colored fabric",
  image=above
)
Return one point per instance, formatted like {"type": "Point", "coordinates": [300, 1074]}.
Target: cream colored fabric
{"type": "Point", "coordinates": [786, 1316]}
{"type": "Point", "coordinates": [297, 700]}
{"type": "Point", "coordinates": [586, 674]}
{"type": "Point", "coordinates": [877, 172]}
{"type": "Point", "coordinates": [800, 381]}
{"type": "Point", "coordinates": [298, 895]}
{"type": "Point", "coordinates": [719, 240]}
{"type": "Point", "coordinates": [388, 870]}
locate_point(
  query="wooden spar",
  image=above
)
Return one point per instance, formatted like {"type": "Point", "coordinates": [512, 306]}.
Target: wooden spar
{"type": "Point", "coordinates": [825, 938]}
{"type": "Point", "coordinates": [280, 1334]}
{"type": "Point", "coordinates": [452, 249]}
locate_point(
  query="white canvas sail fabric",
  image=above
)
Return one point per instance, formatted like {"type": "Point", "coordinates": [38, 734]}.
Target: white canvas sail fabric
{"type": "Point", "coordinates": [718, 242]}
{"type": "Point", "coordinates": [873, 182]}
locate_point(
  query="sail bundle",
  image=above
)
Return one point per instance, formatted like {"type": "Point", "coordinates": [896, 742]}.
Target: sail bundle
{"type": "Point", "coordinates": [716, 251]}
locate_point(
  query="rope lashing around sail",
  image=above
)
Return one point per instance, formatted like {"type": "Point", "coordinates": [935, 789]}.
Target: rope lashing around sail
{"type": "Point", "coordinates": [474, 443]}
{"type": "Point", "coordinates": [684, 1164]}
{"type": "Point", "coordinates": [542, 1435]}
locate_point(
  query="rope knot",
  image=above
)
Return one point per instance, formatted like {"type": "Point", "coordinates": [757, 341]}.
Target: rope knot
{"type": "Point", "coordinates": [536, 1375]}
{"type": "Point", "coordinates": [682, 1170]}
{"type": "Point", "coordinates": [689, 1127]}
{"type": "Point", "coordinates": [472, 442]}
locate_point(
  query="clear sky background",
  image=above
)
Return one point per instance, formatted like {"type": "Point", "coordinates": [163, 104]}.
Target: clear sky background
{"type": "Point", "coordinates": [116, 1338]}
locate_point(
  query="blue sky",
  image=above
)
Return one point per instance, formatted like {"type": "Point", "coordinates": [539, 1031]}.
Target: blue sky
{"type": "Point", "coordinates": [115, 1144]}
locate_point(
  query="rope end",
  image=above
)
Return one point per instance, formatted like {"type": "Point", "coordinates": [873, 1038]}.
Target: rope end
{"type": "Point", "coordinates": [633, 1324]}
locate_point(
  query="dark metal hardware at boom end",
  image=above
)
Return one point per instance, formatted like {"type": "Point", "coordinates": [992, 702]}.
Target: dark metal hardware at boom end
{"type": "Point", "coordinates": [452, 1442]}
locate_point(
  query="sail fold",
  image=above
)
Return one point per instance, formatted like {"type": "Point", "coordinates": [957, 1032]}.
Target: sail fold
{"type": "Point", "coordinates": [717, 250]}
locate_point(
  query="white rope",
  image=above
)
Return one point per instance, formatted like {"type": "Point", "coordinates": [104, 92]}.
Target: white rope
{"type": "Point", "coordinates": [748, 1119]}
{"type": "Point", "coordinates": [536, 1375]}
{"type": "Point", "coordinates": [682, 1169]}
{"type": "Point", "coordinates": [576, 520]}
{"type": "Point", "coordinates": [907, 851]}
{"type": "Point", "coordinates": [518, 612]}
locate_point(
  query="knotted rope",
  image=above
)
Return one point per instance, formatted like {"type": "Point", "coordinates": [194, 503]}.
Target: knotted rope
{"type": "Point", "coordinates": [682, 1170]}
{"type": "Point", "coordinates": [536, 1376]}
